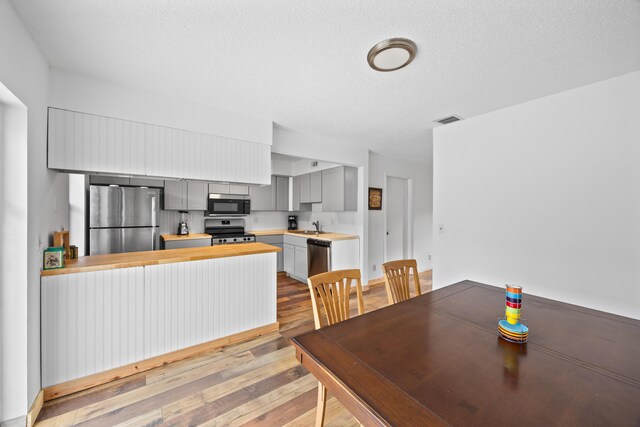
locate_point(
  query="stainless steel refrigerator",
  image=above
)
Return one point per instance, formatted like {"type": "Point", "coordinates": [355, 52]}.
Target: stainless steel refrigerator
{"type": "Point", "coordinates": [123, 219]}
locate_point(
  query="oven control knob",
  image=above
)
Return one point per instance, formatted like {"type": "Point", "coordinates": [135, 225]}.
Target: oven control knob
{"type": "Point", "coordinates": [224, 240]}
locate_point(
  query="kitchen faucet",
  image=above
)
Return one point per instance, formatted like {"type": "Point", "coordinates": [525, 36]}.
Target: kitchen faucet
{"type": "Point", "coordinates": [317, 224]}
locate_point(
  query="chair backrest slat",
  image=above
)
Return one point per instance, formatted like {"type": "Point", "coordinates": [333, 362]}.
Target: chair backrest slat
{"type": "Point", "coordinates": [332, 290]}
{"type": "Point", "coordinates": [396, 279]}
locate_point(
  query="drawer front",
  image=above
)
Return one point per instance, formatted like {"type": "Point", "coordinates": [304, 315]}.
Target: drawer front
{"type": "Point", "coordinates": [276, 239]}
{"type": "Point", "coordinates": [192, 243]}
{"type": "Point", "coordinates": [295, 240]}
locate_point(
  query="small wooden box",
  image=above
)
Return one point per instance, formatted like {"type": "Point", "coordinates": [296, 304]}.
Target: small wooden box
{"type": "Point", "coordinates": [61, 238]}
{"type": "Point", "coordinates": [53, 258]}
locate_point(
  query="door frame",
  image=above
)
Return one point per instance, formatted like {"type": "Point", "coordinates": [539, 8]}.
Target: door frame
{"type": "Point", "coordinates": [409, 207]}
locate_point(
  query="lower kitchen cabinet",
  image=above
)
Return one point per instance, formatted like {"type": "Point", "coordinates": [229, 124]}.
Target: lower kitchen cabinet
{"type": "Point", "coordinates": [186, 243]}
{"type": "Point", "coordinates": [295, 257]}
{"type": "Point", "coordinates": [289, 258]}
{"type": "Point", "coordinates": [275, 240]}
{"type": "Point", "coordinates": [300, 263]}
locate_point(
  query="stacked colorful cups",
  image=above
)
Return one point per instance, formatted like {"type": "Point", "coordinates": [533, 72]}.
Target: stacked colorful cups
{"type": "Point", "coordinates": [511, 329]}
{"type": "Point", "coordinates": [513, 302]}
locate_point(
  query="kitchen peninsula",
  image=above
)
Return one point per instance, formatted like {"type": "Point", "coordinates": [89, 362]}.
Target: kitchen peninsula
{"type": "Point", "coordinates": [109, 316]}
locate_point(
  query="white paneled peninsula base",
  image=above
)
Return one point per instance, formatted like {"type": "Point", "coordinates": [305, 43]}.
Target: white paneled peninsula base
{"type": "Point", "coordinates": [108, 316]}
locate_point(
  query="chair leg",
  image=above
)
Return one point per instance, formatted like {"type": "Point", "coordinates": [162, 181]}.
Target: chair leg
{"type": "Point", "coordinates": [322, 403]}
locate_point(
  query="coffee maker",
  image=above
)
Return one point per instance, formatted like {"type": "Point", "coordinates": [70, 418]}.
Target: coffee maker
{"type": "Point", "coordinates": [293, 222]}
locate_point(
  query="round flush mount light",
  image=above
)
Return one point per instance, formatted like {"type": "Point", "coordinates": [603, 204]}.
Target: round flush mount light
{"type": "Point", "coordinates": [392, 54]}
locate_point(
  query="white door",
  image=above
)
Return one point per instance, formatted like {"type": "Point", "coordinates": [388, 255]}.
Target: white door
{"type": "Point", "coordinates": [397, 218]}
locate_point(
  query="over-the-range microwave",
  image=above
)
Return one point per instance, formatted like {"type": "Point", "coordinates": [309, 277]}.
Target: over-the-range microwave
{"type": "Point", "coordinates": [228, 205]}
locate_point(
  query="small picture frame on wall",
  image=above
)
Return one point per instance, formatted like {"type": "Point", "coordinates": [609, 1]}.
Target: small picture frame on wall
{"type": "Point", "coordinates": [375, 199]}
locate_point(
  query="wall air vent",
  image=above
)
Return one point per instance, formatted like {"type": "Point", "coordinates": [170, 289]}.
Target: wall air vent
{"type": "Point", "coordinates": [447, 120]}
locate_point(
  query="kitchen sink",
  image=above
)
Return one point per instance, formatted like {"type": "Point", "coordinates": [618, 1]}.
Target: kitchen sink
{"type": "Point", "coordinates": [307, 232]}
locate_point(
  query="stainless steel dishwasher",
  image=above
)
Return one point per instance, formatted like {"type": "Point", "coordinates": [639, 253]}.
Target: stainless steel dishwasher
{"type": "Point", "coordinates": [318, 256]}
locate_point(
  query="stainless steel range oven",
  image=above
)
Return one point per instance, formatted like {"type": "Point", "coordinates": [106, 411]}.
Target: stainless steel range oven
{"type": "Point", "coordinates": [228, 205]}
{"type": "Point", "coordinates": [225, 231]}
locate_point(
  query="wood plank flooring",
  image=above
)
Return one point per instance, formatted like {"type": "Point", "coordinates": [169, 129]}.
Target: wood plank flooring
{"type": "Point", "coordinates": [254, 383]}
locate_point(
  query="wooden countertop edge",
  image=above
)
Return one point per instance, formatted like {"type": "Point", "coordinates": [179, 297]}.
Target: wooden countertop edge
{"type": "Point", "coordinates": [164, 257]}
{"type": "Point", "coordinates": [195, 236]}
{"type": "Point", "coordinates": [328, 236]}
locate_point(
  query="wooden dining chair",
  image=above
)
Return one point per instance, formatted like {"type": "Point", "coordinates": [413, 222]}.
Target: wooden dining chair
{"type": "Point", "coordinates": [396, 279]}
{"type": "Point", "coordinates": [332, 290]}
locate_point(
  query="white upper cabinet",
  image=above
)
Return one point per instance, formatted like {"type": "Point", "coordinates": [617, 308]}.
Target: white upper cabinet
{"type": "Point", "coordinates": [81, 142]}
{"type": "Point", "coordinates": [84, 142]}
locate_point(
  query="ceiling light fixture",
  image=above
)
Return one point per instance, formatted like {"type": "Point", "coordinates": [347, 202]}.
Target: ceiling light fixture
{"type": "Point", "coordinates": [392, 54]}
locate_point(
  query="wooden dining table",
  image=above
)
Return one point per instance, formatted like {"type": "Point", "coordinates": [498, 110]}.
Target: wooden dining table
{"type": "Point", "coordinates": [437, 359]}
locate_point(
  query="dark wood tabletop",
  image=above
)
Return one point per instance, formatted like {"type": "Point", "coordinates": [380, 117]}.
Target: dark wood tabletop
{"type": "Point", "coordinates": [437, 359]}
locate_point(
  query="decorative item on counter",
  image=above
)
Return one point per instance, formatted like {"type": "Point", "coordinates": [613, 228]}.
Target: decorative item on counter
{"type": "Point", "coordinates": [61, 238]}
{"type": "Point", "coordinates": [53, 258]}
{"type": "Point", "coordinates": [512, 329]}
{"type": "Point", "coordinates": [375, 199]}
{"type": "Point", "coordinates": [74, 252]}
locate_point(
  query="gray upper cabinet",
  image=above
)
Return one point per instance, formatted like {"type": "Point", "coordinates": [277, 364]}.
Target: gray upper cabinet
{"type": "Point", "coordinates": [239, 189]}
{"type": "Point", "coordinates": [340, 189]}
{"type": "Point", "coordinates": [315, 187]}
{"type": "Point", "coordinates": [175, 195]}
{"type": "Point", "coordinates": [229, 189]}
{"type": "Point", "coordinates": [305, 189]}
{"type": "Point", "coordinates": [197, 192]}
{"type": "Point", "coordinates": [218, 188]}
{"type": "Point", "coordinates": [310, 187]}
{"type": "Point", "coordinates": [264, 198]}
{"type": "Point", "coordinates": [108, 180]}
{"type": "Point", "coordinates": [282, 193]}
{"type": "Point", "coordinates": [295, 203]}
{"type": "Point", "coordinates": [146, 182]}
{"type": "Point", "coordinates": [185, 195]}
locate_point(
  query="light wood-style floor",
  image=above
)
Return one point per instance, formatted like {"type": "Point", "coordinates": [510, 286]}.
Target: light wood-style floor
{"type": "Point", "coordinates": [258, 382]}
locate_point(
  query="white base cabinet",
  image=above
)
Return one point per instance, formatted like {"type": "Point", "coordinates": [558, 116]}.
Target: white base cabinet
{"type": "Point", "coordinates": [295, 257]}
{"type": "Point", "coordinates": [96, 321]}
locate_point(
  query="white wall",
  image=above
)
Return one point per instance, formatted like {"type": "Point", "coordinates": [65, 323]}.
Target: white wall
{"type": "Point", "coordinates": [25, 72]}
{"type": "Point", "coordinates": [13, 255]}
{"type": "Point", "coordinates": [77, 92]}
{"type": "Point", "coordinates": [421, 172]}
{"type": "Point", "coordinates": [546, 195]}
{"type": "Point", "coordinates": [77, 212]}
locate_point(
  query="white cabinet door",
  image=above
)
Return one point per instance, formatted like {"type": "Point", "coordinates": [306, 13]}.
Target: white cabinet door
{"type": "Point", "coordinates": [197, 193]}
{"type": "Point", "coordinates": [301, 269]}
{"type": "Point", "coordinates": [289, 258]}
{"type": "Point", "coordinates": [175, 195]}
{"type": "Point", "coordinates": [81, 142]}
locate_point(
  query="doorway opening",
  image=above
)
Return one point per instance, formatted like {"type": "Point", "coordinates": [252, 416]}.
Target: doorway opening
{"type": "Point", "coordinates": [398, 218]}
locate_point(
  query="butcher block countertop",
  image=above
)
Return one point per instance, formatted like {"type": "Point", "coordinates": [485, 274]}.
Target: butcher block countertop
{"type": "Point", "coordinates": [170, 237]}
{"type": "Point", "coordinates": [139, 259]}
{"type": "Point", "coordinates": [324, 236]}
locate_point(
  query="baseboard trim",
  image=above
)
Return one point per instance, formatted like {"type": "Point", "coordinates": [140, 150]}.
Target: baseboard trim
{"type": "Point", "coordinates": [35, 409]}
{"type": "Point", "coordinates": [79, 384]}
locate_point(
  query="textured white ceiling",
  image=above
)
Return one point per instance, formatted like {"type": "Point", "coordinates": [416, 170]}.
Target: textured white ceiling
{"type": "Point", "coordinates": [303, 64]}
